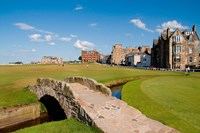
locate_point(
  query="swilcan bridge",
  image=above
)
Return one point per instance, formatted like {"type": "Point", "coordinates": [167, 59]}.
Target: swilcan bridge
{"type": "Point", "coordinates": [92, 103]}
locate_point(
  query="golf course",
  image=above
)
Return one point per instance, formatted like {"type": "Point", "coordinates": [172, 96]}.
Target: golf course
{"type": "Point", "coordinates": [167, 96]}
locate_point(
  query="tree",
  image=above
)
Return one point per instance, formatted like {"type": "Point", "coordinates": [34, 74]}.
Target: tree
{"type": "Point", "coordinates": [80, 57]}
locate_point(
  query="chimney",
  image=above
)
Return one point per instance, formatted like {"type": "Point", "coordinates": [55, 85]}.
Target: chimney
{"type": "Point", "coordinates": [194, 28]}
{"type": "Point", "coordinates": [168, 32]}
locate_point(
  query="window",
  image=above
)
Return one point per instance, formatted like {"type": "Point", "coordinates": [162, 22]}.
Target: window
{"type": "Point", "coordinates": [190, 39]}
{"type": "Point", "coordinates": [176, 38]}
{"type": "Point", "coordinates": [190, 50]}
{"type": "Point", "coordinates": [177, 58]}
{"type": "Point", "coordinates": [190, 59]}
{"type": "Point", "coordinates": [177, 49]}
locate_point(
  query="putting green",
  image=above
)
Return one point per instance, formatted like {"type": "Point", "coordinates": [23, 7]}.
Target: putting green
{"type": "Point", "coordinates": [179, 95]}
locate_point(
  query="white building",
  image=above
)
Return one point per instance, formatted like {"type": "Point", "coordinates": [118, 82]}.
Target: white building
{"type": "Point", "coordinates": [132, 59]}
{"type": "Point", "coordinates": [145, 60]}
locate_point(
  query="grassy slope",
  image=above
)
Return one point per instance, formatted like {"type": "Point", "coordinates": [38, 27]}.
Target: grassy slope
{"type": "Point", "coordinates": [65, 126]}
{"type": "Point", "coordinates": [172, 100]}
{"type": "Point", "coordinates": [14, 79]}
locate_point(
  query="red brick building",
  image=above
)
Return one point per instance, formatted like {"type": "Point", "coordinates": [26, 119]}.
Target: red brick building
{"type": "Point", "coordinates": [90, 56]}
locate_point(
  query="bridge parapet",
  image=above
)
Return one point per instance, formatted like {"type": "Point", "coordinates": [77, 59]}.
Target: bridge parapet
{"type": "Point", "coordinates": [90, 83]}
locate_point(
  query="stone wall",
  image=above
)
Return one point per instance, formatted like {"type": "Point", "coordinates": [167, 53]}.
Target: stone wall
{"type": "Point", "coordinates": [90, 83]}
{"type": "Point", "coordinates": [14, 115]}
{"type": "Point", "coordinates": [63, 93]}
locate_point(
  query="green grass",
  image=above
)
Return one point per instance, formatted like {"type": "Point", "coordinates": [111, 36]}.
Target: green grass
{"type": "Point", "coordinates": [14, 79]}
{"type": "Point", "coordinates": [173, 100]}
{"type": "Point", "coordinates": [173, 109]}
{"type": "Point", "coordinates": [65, 126]}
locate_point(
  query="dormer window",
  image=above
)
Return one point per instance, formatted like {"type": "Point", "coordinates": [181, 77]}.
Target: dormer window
{"type": "Point", "coordinates": [176, 38]}
{"type": "Point", "coordinates": [190, 39]}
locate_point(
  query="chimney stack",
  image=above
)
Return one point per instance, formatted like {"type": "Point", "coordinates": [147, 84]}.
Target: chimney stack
{"type": "Point", "coordinates": [168, 32]}
{"type": "Point", "coordinates": [194, 28]}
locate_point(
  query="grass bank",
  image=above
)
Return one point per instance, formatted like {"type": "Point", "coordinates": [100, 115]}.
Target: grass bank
{"type": "Point", "coordinates": [65, 126]}
{"type": "Point", "coordinates": [173, 100]}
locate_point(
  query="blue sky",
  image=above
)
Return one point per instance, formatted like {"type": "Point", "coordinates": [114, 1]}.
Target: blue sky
{"type": "Point", "coordinates": [30, 29]}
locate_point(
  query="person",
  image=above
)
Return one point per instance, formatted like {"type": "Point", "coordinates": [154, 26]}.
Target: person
{"type": "Point", "coordinates": [188, 69]}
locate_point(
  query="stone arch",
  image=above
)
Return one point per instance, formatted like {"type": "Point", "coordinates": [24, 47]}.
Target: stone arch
{"type": "Point", "coordinates": [55, 111]}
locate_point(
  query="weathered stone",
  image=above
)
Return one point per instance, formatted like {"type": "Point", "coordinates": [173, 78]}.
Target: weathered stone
{"type": "Point", "coordinates": [13, 115]}
{"type": "Point", "coordinates": [90, 83]}
{"type": "Point", "coordinates": [94, 106]}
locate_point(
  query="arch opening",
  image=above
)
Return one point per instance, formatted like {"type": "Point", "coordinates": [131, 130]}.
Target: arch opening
{"type": "Point", "coordinates": [53, 107]}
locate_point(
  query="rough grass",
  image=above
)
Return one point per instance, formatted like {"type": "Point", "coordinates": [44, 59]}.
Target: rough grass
{"type": "Point", "coordinates": [65, 126]}
{"type": "Point", "coordinates": [173, 100]}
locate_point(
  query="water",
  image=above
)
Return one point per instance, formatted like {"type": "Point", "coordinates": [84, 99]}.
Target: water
{"type": "Point", "coordinates": [117, 91]}
{"type": "Point", "coordinates": [42, 119]}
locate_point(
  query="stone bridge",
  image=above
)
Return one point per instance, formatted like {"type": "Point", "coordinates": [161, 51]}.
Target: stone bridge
{"type": "Point", "coordinates": [92, 103]}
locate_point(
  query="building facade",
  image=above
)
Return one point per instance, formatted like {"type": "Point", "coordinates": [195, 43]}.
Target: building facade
{"type": "Point", "coordinates": [176, 50]}
{"type": "Point", "coordinates": [145, 60]}
{"type": "Point", "coordinates": [51, 60]}
{"type": "Point", "coordinates": [119, 54]}
{"type": "Point", "coordinates": [132, 59]}
{"type": "Point", "coordinates": [90, 56]}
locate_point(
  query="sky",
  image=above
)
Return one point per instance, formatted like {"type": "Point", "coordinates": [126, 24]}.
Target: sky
{"type": "Point", "coordinates": [31, 29]}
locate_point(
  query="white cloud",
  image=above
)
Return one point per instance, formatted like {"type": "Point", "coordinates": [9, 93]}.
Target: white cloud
{"type": "Point", "coordinates": [73, 36]}
{"type": "Point", "coordinates": [42, 36]}
{"type": "Point", "coordinates": [83, 45]}
{"type": "Point", "coordinates": [35, 38]}
{"type": "Point", "coordinates": [93, 25]}
{"type": "Point", "coordinates": [78, 7]}
{"type": "Point", "coordinates": [48, 37]}
{"type": "Point", "coordinates": [170, 24]}
{"type": "Point", "coordinates": [138, 23]}
{"type": "Point", "coordinates": [52, 43]}
{"type": "Point", "coordinates": [65, 39]}
{"type": "Point", "coordinates": [24, 26]}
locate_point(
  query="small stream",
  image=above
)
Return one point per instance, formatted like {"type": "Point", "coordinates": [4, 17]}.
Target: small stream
{"type": "Point", "coordinates": [117, 91]}
{"type": "Point", "coordinates": [42, 119]}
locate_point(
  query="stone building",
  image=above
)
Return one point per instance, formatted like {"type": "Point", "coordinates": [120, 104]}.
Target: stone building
{"type": "Point", "coordinates": [104, 59]}
{"type": "Point", "coordinates": [51, 60]}
{"type": "Point", "coordinates": [176, 50]}
{"type": "Point", "coordinates": [138, 59]}
{"type": "Point", "coordinates": [118, 54]}
{"type": "Point", "coordinates": [90, 56]}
